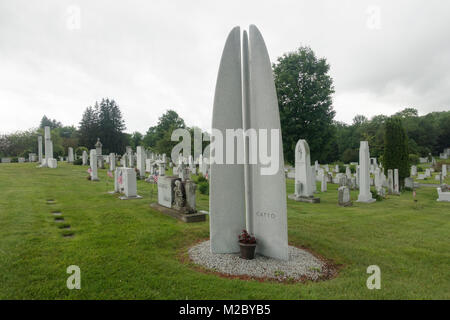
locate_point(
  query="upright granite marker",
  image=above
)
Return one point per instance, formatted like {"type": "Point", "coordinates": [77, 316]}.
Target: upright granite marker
{"type": "Point", "coordinates": [93, 162]}
{"type": "Point", "coordinates": [84, 158]}
{"type": "Point", "coordinates": [40, 149]}
{"type": "Point", "coordinates": [364, 177]}
{"type": "Point", "coordinates": [240, 196]}
{"type": "Point", "coordinates": [304, 189]}
{"type": "Point", "coordinates": [70, 155]}
{"type": "Point", "coordinates": [140, 163]}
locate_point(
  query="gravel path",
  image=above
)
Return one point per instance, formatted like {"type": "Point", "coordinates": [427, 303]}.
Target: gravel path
{"type": "Point", "coordinates": [301, 264]}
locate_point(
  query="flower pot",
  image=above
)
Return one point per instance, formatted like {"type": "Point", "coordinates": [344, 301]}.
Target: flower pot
{"type": "Point", "coordinates": [247, 250]}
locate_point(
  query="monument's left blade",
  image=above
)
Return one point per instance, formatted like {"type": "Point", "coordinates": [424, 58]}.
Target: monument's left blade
{"type": "Point", "coordinates": [269, 218]}
{"type": "Point", "coordinates": [227, 192]}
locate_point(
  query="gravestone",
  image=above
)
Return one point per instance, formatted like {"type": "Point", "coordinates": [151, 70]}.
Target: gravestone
{"type": "Point", "coordinates": [396, 185]}
{"type": "Point", "coordinates": [93, 164]}
{"type": "Point", "coordinates": [323, 186]}
{"type": "Point", "coordinates": [357, 176]}
{"type": "Point", "coordinates": [128, 185]}
{"type": "Point", "coordinates": [443, 194]}
{"type": "Point", "coordinates": [427, 173]}
{"type": "Point", "coordinates": [444, 170]}
{"type": "Point", "coordinates": [140, 163]}
{"type": "Point", "coordinates": [52, 163]}
{"type": "Point", "coordinates": [130, 158]}
{"type": "Point", "coordinates": [390, 181]}
{"type": "Point", "coordinates": [84, 158]}
{"type": "Point", "coordinates": [304, 189]}
{"type": "Point", "coordinates": [112, 161]}
{"type": "Point", "coordinates": [6, 160]}
{"type": "Point", "coordinates": [421, 176]}
{"type": "Point", "coordinates": [344, 196]}
{"type": "Point", "coordinates": [245, 98]}
{"type": "Point", "coordinates": [99, 154]}
{"type": "Point", "coordinates": [409, 183]}
{"type": "Point", "coordinates": [313, 180]}
{"type": "Point", "coordinates": [40, 150]}
{"type": "Point", "coordinates": [348, 172]}
{"type": "Point", "coordinates": [413, 171]}
{"type": "Point", "coordinates": [364, 176]}
{"type": "Point", "coordinates": [48, 144]}
{"type": "Point", "coordinates": [70, 155]}
{"type": "Point", "coordinates": [166, 185]}
{"type": "Point", "coordinates": [20, 160]}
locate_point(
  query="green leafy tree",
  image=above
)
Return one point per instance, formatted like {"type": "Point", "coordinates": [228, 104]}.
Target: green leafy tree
{"type": "Point", "coordinates": [304, 90]}
{"type": "Point", "coordinates": [158, 138]}
{"type": "Point", "coordinates": [396, 153]}
{"type": "Point", "coordinates": [136, 139]}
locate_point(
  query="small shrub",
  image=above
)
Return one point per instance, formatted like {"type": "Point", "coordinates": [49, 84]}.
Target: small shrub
{"type": "Point", "coordinates": [376, 195]}
{"type": "Point", "coordinates": [413, 158]}
{"type": "Point", "coordinates": [201, 179]}
{"type": "Point", "coordinates": [78, 162]}
{"type": "Point", "coordinates": [203, 187]}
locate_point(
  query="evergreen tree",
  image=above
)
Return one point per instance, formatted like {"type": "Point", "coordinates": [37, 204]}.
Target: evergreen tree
{"type": "Point", "coordinates": [111, 126]}
{"type": "Point", "coordinates": [396, 154]}
{"type": "Point", "coordinates": [89, 128]}
{"type": "Point", "coordinates": [46, 122]}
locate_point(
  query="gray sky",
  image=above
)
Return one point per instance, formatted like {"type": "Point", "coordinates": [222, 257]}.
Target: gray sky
{"type": "Point", "coordinates": [154, 55]}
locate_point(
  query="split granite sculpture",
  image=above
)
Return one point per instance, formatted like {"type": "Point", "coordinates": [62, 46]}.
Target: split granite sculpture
{"type": "Point", "coordinates": [240, 196]}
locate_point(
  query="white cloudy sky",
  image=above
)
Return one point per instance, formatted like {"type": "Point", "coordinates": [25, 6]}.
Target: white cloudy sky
{"type": "Point", "coordinates": [154, 55]}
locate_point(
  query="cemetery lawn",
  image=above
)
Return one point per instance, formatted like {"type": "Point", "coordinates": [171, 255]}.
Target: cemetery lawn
{"type": "Point", "coordinates": [128, 251]}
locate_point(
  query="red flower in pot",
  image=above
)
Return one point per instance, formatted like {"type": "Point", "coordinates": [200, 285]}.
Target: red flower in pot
{"type": "Point", "coordinates": [247, 243]}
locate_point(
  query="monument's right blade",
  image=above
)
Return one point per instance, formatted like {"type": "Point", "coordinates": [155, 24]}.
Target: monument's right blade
{"type": "Point", "coordinates": [268, 189]}
{"type": "Point", "coordinates": [227, 192]}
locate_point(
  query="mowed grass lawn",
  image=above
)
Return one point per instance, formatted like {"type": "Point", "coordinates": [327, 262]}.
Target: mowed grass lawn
{"type": "Point", "coordinates": [126, 250]}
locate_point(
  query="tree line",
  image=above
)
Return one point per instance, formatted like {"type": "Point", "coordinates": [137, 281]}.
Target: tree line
{"type": "Point", "coordinates": [304, 89]}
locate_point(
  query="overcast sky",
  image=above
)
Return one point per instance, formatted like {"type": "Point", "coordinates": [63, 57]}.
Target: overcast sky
{"type": "Point", "coordinates": [58, 57]}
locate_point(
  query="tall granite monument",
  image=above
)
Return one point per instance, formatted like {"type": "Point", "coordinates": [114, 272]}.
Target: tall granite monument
{"type": "Point", "coordinates": [241, 197]}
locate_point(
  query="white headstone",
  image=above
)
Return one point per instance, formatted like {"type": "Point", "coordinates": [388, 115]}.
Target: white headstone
{"type": "Point", "coordinates": [140, 165]}
{"type": "Point", "coordinates": [84, 158]}
{"type": "Point", "coordinates": [396, 185]}
{"type": "Point", "coordinates": [40, 149]}
{"type": "Point", "coordinates": [70, 155]}
{"type": "Point", "coordinates": [364, 177]}
{"type": "Point", "coordinates": [303, 179]}
{"type": "Point", "coordinates": [93, 163]}
{"type": "Point", "coordinates": [323, 186]}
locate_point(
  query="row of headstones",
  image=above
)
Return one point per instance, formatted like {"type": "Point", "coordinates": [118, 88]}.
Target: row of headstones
{"type": "Point", "coordinates": [445, 154]}
{"type": "Point", "coordinates": [47, 159]}
{"type": "Point", "coordinates": [428, 173]}
{"type": "Point", "coordinates": [305, 176]}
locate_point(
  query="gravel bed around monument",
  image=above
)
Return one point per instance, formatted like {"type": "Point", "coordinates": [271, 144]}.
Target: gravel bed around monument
{"type": "Point", "coordinates": [301, 265]}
